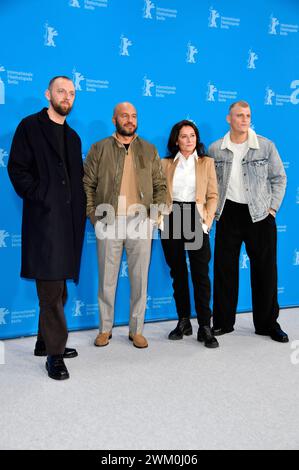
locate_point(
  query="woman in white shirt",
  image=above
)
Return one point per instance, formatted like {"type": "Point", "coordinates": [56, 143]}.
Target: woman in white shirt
{"type": "Point", "coordinates": [192, 196]}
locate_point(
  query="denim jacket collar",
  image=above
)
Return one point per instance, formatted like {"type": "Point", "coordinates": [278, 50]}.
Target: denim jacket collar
{"type": "Point", "coordinates": [252, 140]}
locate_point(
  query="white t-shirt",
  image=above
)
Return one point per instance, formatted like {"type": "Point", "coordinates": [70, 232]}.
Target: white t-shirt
{"type": "Point", "coordinates": [236, 191]}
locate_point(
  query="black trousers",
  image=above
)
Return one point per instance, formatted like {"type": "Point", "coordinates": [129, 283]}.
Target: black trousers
{"type": "Point", "coordinates": [234, 227]}
{"type": "Point", "coordinates": [175, 246]}
{"type": "Point", "coordinates": [52, 328]}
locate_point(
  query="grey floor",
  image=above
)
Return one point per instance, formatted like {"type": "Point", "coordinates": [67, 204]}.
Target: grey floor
{"type": "Point", "coordinates": [173, 395]}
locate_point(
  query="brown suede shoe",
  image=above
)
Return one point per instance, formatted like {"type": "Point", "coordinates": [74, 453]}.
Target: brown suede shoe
{"type": "Point", "coordinates": [103, 339]}
{"type": "Point", "coordinates": [139, 341]}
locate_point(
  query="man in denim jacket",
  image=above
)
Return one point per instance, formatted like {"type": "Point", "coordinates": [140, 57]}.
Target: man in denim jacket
{"type": "Point", "coordinates": [251, 184]}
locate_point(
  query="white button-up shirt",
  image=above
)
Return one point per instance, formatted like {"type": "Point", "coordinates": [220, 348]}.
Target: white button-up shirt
{"type": "Point", "coordinates": [184, 178]}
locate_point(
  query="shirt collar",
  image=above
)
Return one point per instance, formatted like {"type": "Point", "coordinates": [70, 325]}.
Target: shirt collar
{"type": "Point", "coordinates": [252, 140]}
{"type": "Point", "coordinates": [181, 157]}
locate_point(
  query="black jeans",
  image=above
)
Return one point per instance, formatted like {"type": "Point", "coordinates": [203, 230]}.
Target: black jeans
{"type": "Point", "coordinates": [175, 255]}
{"type": "Point", "coordinates": [234, 227]}
{"type": "Point", "coordinates": [52, 328]}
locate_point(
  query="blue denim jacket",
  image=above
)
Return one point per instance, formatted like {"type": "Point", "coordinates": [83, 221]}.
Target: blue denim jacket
{"type": "Point", "coordinates": [264, 176]}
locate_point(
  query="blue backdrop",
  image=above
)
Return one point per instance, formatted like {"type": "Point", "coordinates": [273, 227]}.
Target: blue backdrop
{"type": "Point", "coordinates": [173, 59]}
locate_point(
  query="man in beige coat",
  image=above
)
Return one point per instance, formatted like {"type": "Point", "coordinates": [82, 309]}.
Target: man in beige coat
{"type": "Point", "coordinates": [123, 178]}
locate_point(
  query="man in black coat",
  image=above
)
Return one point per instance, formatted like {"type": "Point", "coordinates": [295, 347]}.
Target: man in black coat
{"type": "Point", "coordinates": [46, 170]}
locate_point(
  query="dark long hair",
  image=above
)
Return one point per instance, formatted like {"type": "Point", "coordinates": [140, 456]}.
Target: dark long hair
{"type": "Point", "coordinates": [172, 146]}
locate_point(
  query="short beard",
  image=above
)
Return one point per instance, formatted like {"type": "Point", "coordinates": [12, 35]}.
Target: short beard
{"type": "Point", "coordinates": [122, 131]}
{"type": "Point", "coordinates": [59, 109]}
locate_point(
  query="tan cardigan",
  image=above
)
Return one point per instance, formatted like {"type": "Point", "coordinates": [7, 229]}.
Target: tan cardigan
{"type": "Point", "coordinates": [206, 186]}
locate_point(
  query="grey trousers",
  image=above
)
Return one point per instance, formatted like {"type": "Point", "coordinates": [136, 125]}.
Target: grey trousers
{"type": "Point", "coordinates": [138, 252]}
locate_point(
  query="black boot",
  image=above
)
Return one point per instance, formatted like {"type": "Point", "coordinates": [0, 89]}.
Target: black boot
{"type": "Point", "coordinates": [183, 327]}
{"type": "Point", "coordinates": [278, 335]}
{"type": "Point", "coordinates": [40, 350]}
{"type": "Point", "coordinates": [205, 335]}
{"type": "Point", "coordinates": [221, 331]}
{"type": "Point", "coordinates": [56, 368]}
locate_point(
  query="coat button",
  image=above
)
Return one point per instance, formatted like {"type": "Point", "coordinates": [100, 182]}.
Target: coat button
{"type": "Point", "coordinates": [63, 181]}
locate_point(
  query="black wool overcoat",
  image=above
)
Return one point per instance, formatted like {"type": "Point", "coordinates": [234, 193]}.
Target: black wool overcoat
{"type": "Point", "coordinates": [54, 202]}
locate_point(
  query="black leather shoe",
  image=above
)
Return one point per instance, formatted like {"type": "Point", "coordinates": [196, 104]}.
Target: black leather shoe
{"type": "Point", "coordinates": [56, 368]}
{"type": "Point", "coordinates": [183, 327]}
{"type": "Point", "coordinates": [278, 335]}
{"type": "Point", "coordinates": [40, 350]}
{"type": "Point", "coordinates": [69, 353]}
{"type": "Point", "coordinates": [221, 331]}
{"type": "Point", "coordinates": [205, 335]}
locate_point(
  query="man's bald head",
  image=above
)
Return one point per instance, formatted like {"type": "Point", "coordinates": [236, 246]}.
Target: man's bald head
{"type": "Point", "coordinates": [124, 107]}
{"type": "Point", "coordinates": [125, 119]}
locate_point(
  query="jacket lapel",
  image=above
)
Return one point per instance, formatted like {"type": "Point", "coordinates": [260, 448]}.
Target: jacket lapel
{"type": "Point", "coordinates": [170, 174]}
{"type": "Point", "coordinates": [200, 178]}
